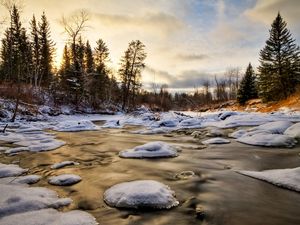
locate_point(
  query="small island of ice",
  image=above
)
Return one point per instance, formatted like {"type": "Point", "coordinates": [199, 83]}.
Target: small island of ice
{"type": "Point", "coordinates": [216, 141]}
{"type": "Point", "coordinates": [64, 179]}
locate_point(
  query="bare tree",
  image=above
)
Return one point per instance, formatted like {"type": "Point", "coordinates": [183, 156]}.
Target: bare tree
{"type": "Point", "coordinates": [232, 76]}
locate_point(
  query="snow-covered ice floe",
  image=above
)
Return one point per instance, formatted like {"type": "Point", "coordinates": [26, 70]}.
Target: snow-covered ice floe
{"type": "Point", "coordinates": [277, 127]}
{"type": "Point", "coordinates": [140, 194]}
{"type": "Point", "coordinates": [63, 164]}
{"type": "Point", "coordinates": [28, 141]}
{"type": "Point", "coordinates": [267, 139]}
{"type": "Point", "coordinates": [73, 125]}
{"type": "Point", "coordinates": [238, 133]}
{"type": "Point", "coordinates": [285, 178]}
{"type": "Point", "coordinates": [29, 179]}
{"type": "Point", "coordinates": [293, 131]}
{"type": "Point", "coordinates": [21, 204]}
{"type": "Point", "coordinates": [150, 150]}
{"type": "Point", "coordinates": [10, 170]}
{"type": "Point", "coordinates": [64, 179]}
{"type": "Point", "coordinates": [216, 141]}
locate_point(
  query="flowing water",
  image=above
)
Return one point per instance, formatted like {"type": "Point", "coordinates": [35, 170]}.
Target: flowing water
{"type": "Point", "coordinates": [215, 194]}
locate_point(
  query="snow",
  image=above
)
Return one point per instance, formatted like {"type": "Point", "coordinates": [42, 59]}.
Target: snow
{"type": "Point", "coordinates": [226, 114]}
{"type": "Point", "coordinates": [73, 125]}
{"type": "Point", "coordinates": [21, 204]}
{"type": "Point", "coordinates": [216, 141]}
{"type": "Point", "coordinates": [140, 194]}
{"type": "Point", "coordinates": [64, 179]}
{"type": "Point", "coordinates": [293, 131]}
{"type": "Point", "coordinates": [238, 134]}
{"type": "Point", "coordinates": [112, 124]}
{"type": "Point", "coordinates": [11, 170]}
{"type": "Point", "coordinates": [29, 179]}
{"type": "Point", "coordinates": [150, 150]}
{"type": "Point", "coordinates": [277, 127]}
{"type": "Point", "coordinates": [50, 217]}
{"type": "Point", "coordinates": [285, 178]}
{"type": "Point", "coordinates": [267, 139]}
{"type": "Point", "coordinates": [215, 132]}
{"type": "Point", "coordinates": [63, 164]}
{"type": "Point", "coordinates": [191, 123]}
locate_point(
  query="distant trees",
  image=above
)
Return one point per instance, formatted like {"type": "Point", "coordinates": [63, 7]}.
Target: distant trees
{"type": "Point", "coordinates": [247, 89]}
{"type": "Point", "coordinates": [132, 64]}
{"type": "Point", "coordinates": [279, 70]}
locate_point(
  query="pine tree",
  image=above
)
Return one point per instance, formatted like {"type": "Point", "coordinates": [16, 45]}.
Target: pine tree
{"type": "Point", "coordinates": [279, 70]}
{"type": "Point", "coordinates": [247, 89]}
{"type": "Point", "coordinates": [88, 59]}
{"type": "Point", "coordinates": [35, 43]}
{"type": "Point", "coordinates": [65, 69]}
{"type": "Point", "coordinates": [132, 64]}
{"type": "Point", "coordinates": [46, 51]}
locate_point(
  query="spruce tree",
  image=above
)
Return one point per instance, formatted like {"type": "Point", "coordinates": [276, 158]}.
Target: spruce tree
{"type": "Point", "coordinates": [247, 89]}
{"type": "Point", "coordinates": [279, 70]}
{"type": "Point", "coordinates": [46, 51]}
{"type": "Point", "coordinates": [88, 59]}
{"type": "Point", "coordinates": [35, 43]}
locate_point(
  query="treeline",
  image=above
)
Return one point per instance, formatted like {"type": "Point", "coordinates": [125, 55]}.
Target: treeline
{"type": "Point", "coordinates": [85, 80]}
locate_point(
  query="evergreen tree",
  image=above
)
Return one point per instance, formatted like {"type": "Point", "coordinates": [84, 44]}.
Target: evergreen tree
{"type": "Point", "coordinates": [46, 51]}
{"type": "Point", "coordinates": [35, 43]}
{"type": "Point", "coordinates": [279, 70]}
{"type": "Point", "coordinates": [132, 64]}
{"type": "Point", "coordinates": [65, 69]}
{"type": "Point", "coordinates": [6, 56]}
{"type": "Point", "coordinates": [247, 89]}
{"type": "Point", "coordinates": [88, 59]}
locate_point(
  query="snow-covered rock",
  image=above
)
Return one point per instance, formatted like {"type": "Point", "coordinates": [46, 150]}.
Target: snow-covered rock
{"type": "Point", "coordinates": [277, 127]}
{"type": "Point", "coordinates": [72, 125]}
{"type": "Point", "coordinates": [64, 179]}
{"type": "Point", "coordinates": [29, 179]}
{"type": "Point", "coordinates": [293, 131]}
{"type": "Point", "coordinates": [63, 164]}
{"type": "Point", "coordinates": [10, 170]}
{"type": "Point", "coordinates": [150, 150]}
{"type": "Point", "coordinates": [191, 123]}
{"type": "Point", "coordinates": [286, 178]}
{"type": "Point", "coordinates": [50, 217]}
{"type": "Point", "coordinates": [267, 139]}
{"type": "Point", "coordinates": [216, 141]}
{"type": "Point", "coordinates": [140, 194]}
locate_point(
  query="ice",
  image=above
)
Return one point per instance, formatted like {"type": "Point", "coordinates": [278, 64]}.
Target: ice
{"type": "Point", "coordinates": [226, 114]}
{"type": "Point", "coordinates": [286, 178]}
{"type": "Point", "coordinates": [73, 125]}
{"type": "Point", "coordinates": [215, 132]}
{"type": "Point", "coordinates": [238, 133]}
{"type": "Point", "coordinates": [267, 139]}
{"type": "Point", "coordinates": [293, 131]}
{"type": "Point", "coordinates": [29, 179]}
{"type": "Point", "coordinates": [216, 141]}
{"type": "Point", "coordinates": [140, 194]}
{"type": "Point", "coordinates": [167, 123]}
{"type": "Point", "coordinates": [50, 217]}
{"type": "Point", "coordinates": [64, 179]}
{"type": "Point", "coordinates": [191, 123]}
{"type": "Point", "coordinates": [112, 124]}
{"type": "Point", "coordinates": [18, 199]}
{"type": "Point", "coordinates": [150, 150]}
{"type": "Point", "coordinates": [277, 127]}
{"type": "Point", "coordinates": [63, 164]}
{"type": "Point", "coordinates": [158, 130]}
{"type": "Point", "coordinates": [11, 170]}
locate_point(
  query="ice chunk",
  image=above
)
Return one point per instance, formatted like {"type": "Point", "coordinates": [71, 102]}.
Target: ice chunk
{"type": "Point", "coordinates": [293, 131]}
{"type": "Point", "coordinates": [216, 141]}
{"type": "Point", "coordinates": [267, 139]}
{"type": "Point", "coordinates": [225, 115]}
{"type": "Point", "coordinates": [82, 125]}
{"type": "Point", "coordinates": [64, 179]}
{"type": "Point", "coordinates": [238, 133]}
{"type": "Point", "coordinates": [167, 123]}
{"type": "Point", "coordinates": [11, 170]}
{"type": "Point", "coordinates": [286, 178]}
{"type": "Point", "coordinates": [140, 194]}
{"type": "Point", "coordinates": [29, 179]}
{"type": "Point", "coordinates": [18, 198]}
{"type": "Point", "coordinates": [192, 123]}
{"type": "Point", "coordinates": [150, 150]}
{"type": "Point", "coordinates": [277, 127]}
{"type": "Point", "coordinates": [50, 217]}
{"type": "Point", "coordinates": [63, 164]}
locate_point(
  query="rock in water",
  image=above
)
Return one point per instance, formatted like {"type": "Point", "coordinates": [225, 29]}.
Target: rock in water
{"type": "Point", "coordinates": [216, 141]}
{"type": "Point", "coordinates": [64, 180]}
{"type": "Point", "coordinates": [140, 194]}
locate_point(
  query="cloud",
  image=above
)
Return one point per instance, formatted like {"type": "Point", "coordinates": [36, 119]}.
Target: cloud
{"type": "Point", "coordinates": [189, 57]}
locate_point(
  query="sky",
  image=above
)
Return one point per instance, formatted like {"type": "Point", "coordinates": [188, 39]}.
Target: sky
{"type": "Point", "coordinates": [186, 41]}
